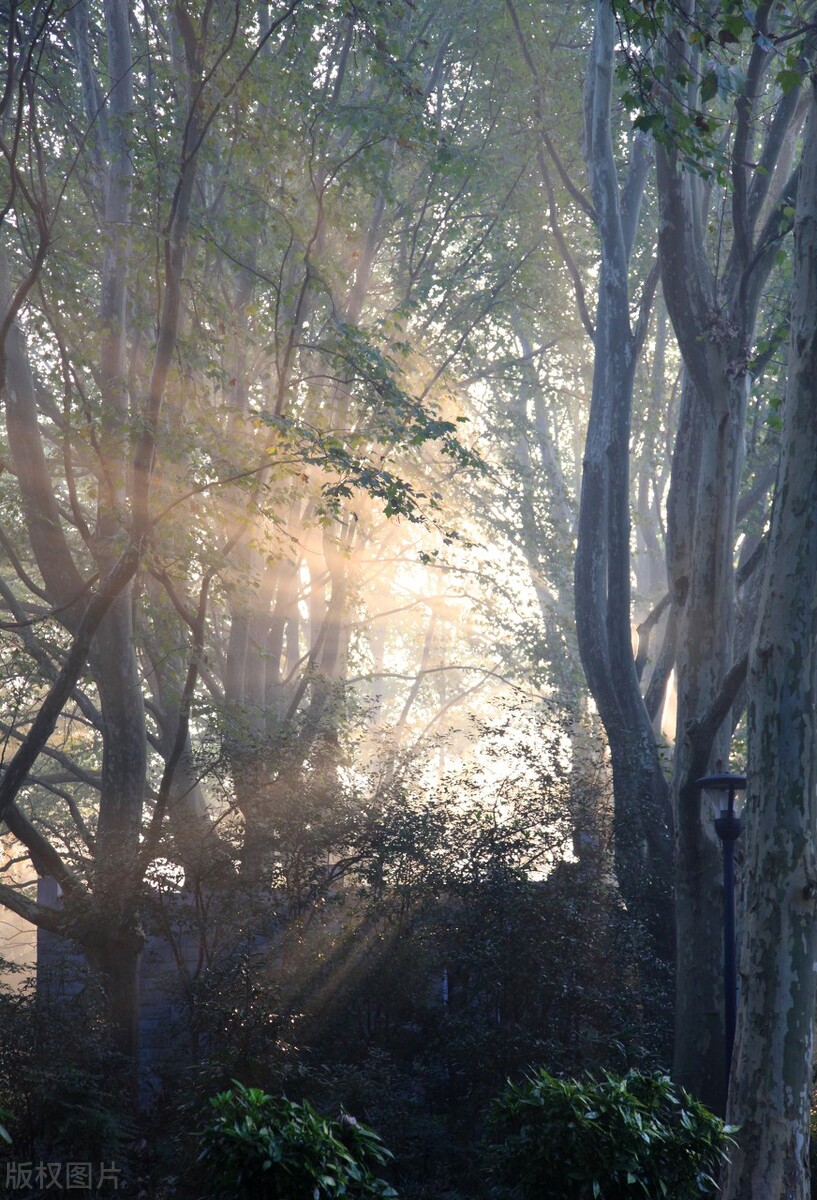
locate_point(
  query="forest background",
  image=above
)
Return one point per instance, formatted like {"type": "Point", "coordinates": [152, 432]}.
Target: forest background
{"type": "Point", "coordinates": [407, 495]}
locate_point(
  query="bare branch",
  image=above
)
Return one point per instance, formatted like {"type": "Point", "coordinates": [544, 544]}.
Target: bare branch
{"type": "Point", "coordinates": [40, 915]}
{"type": "Point", "coordinates": [44, 723]}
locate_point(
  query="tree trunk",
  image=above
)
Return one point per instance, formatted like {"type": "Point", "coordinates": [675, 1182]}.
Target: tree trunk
{"type": "Point", "coordinates": [115, 954]}
{"type": "Point", "coordinates": [706, 475]}
{"type": "Point", "coordinates": [771, 1078]}
{"type": "Point", "coordinates": [713, 306]}
{"type": "Point", "coordinates": [602, 571]}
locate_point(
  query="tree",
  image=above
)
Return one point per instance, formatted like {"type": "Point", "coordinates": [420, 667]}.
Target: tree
{"type": "Point", "coordinates": [720, 101]}
{"type": "Point", "coordinates": [602, 580]}
{"type": "Point", "coordinates": [221, 438]}
{"type": "Point", "coordinates": [713, 292]}
{"type": "Point", "coordinates": [770, 1088]}
{"type": "Point", "coordinates": [103, 632]}
{"type": "Point", "coordinates": [122, 219]}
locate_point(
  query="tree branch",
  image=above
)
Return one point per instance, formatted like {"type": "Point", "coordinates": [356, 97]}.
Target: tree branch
{"type": "Point", "coordinates": [702, 731]}
{"type": "Point", "coordinates": [40, 915]}
{"type": "Point", "coordinates": [644, 631]}
{"type": "Point", "coordinates": [44, 723]}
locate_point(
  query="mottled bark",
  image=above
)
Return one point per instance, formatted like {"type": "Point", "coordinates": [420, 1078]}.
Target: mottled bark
{"type": "Point", "coordinates": [701, 571]}
{"type": "Point", "coordinates": [713, 307]}
{"type": "Point", "coordinates": [771, 1076]}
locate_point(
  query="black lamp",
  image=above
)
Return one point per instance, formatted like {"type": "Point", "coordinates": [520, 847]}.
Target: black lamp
{"type": "Point", "coordinates": [728, 827]}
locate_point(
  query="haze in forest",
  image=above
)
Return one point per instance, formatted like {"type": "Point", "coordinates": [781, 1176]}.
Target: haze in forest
{"type": "Point", "coordinates": [407, 497]}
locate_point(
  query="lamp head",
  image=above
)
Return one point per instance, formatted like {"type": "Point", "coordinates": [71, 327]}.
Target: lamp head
{"type": "Point", "coordinates": [728, 825]}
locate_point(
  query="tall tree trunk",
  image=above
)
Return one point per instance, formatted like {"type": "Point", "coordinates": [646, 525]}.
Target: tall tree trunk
{"type": "Point", "coordinates": [702, 581]}
{"type": "Point", "coordinates": [770, 1090]}
{"type": "Point", "coordinates": [713, 306]}
{"type": "Point", "coordinates": [602, 571]}
{"type": "Point", "coordinates": [113, 661]}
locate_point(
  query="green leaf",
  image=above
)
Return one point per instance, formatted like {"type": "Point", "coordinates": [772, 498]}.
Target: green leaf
{"type": "Point", "coordinates": [789, 78]}
{"type": "Point", "coordinates": [649, 122]}
{"type": "Point", "coordinates": [709, 86]}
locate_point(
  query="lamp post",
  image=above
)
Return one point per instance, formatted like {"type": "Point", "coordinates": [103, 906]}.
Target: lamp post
{"type": "Point", "coordinates": [728, 827]}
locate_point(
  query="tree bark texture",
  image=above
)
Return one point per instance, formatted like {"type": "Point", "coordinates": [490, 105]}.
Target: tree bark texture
{"type": "Point", "coordinates": [713, 307]}
{"type": "Point", "coordinates": [770, 1090]}
{"type": "Point", "coordinates": [706, 476]}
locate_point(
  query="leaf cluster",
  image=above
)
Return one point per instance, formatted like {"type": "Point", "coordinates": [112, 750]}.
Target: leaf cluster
{"type": "Point", "coordinates": [606, 1138]}
{"type": "Point", "coordinates": [683, 96]}
{"type": "Point", "coordinates": [264, 1146]}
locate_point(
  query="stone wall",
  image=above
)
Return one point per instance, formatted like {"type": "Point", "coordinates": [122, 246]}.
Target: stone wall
{"type": "Point", "coordinates": [61, 972]}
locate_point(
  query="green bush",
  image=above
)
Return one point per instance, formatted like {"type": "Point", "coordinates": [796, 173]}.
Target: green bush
{"type": "Point", "coordinates": [63, 1087]}
{"type": "Point", "coordinates": [271, 1148]}
{"type": "Point", "coordinates": [607, 1138]}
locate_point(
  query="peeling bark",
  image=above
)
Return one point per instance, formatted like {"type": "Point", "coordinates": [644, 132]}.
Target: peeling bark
{"type": "Point", "coordinates": [770, 1090]}
{"type": "Point", "coordinates": [713, 306]}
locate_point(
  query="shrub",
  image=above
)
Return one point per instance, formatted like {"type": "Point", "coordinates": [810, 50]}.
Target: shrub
{"type": "Point", "coordinates": [61, 1082]}
{"type": "Point", "coordinates": [271, 1148]}
{"type": "Point", "coordinates": [611, 1138]}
